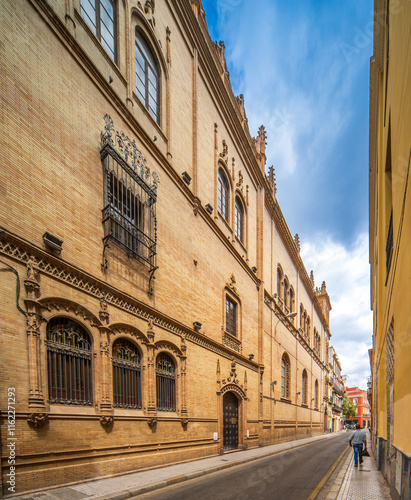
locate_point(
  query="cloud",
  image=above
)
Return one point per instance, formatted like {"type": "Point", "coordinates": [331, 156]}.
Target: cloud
{"type": "Point", "coordinates": [313, 100]}
{"type": "Point", "coordinates": [346, 272]}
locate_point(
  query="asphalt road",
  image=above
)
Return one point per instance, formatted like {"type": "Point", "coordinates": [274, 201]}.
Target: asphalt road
{"type": "Point", "coordinates": [292, 475]}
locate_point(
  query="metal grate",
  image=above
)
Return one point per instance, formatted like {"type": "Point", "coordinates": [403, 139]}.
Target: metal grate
{"type": "Point", "coordinates": [69, 363]}
{"type": "Point", "coordinates": [130, 195]}
{"type": "Point", "coordinates": [166, 383]}
{"type": "Point", "coordinates": [126, 375]}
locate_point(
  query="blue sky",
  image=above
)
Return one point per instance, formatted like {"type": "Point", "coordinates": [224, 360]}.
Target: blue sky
{"type": "Point", "coordinates": [303, 67]}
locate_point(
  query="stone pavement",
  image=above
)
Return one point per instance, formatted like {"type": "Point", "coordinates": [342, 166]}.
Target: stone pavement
{"type": "Point", "coordinates": [359, 483]}
{"type": "Point", "coordinates": [349, 485]}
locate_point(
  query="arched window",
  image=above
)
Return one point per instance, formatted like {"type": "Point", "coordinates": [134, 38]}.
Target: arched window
{"type": "Point", "coordinates": [285, 293]}
{"type": "Point", "coordinates": [279, 281]}
{"type": "Point", "coordinates": [147, 76]}
{"type": "Point", "coordinates": [308, 327]}
{"type": "Point", "coordinates": [239, 220]}
{"type": "Point", "coordinates": [100, 15]}
{"type": "Point", "coordinates": [166, 383]}
{"type": "Point", "coordinates": [305, 323]}
{"type": "Point", "coordinates": [69, 363]}
{"type": "Point", "coordinates": [126, 374]}
{"type": "Point", "coordinates": [302, 317]}
{"type": "Point", "coordinates": [304, 388]}
{"type": "Point", "coordinates": [223, 194]}
{"type": "Point", "coordinates": [316, 394]}
{"type": "Point", "coordinates": [292, 295]}
{"type": "Point", "coordinates": [285, 376]}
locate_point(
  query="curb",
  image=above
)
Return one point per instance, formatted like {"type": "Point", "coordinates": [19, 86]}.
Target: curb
{"type": "Point", "coordinates": [123, 495]}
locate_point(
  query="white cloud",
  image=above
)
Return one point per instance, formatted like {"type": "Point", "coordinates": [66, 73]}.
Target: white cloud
{"type": "Point", "coordinates": [346, 272]}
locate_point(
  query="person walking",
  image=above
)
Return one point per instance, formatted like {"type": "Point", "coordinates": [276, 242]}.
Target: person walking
{"type": "Point", "coordinates": [357, 439]}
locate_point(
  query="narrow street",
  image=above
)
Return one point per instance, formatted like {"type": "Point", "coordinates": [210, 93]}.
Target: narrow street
{"type": "Point", "coordinates": [292, 475]}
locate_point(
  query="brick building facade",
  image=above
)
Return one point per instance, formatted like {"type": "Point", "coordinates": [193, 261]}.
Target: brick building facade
{"type": "Point", "coordinates": [155, 307]}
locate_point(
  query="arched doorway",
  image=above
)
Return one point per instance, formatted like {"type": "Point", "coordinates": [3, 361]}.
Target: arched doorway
{"type": "Point", "coordinates": [230, 421]}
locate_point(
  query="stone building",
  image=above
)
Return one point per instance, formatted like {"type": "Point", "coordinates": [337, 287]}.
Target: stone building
{"type": "Point", "coordinates": [390, 241]}
{"type": "Point", "coordinates": [155, 307]}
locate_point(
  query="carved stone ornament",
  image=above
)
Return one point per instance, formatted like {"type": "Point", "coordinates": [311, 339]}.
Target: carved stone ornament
{"type": "Point", "coordinates": [231, 284]}
{"type": "Point", "coordinates": [128, 150]}
{"type": "Point", "coordinates": [106, 421]}
{"type": "Point", "coordinates": [37, 420]}
{"type": "Point", "coordinates": [240, 180]}
{"type": "Point", "coordinates": [31, 282]}
{"type": "Point", "coordinates": [152, 422]}
{"type": "Point", "coordinates": [184, 422]}
{"type": "Point", "coordinates": [104, 348]}
{"type": "Point", "coordinates": [224, 153]}
{"type": "Point", "coordinates": [103, 313]}
{"type": "Point", "coordinates": [148, 9]}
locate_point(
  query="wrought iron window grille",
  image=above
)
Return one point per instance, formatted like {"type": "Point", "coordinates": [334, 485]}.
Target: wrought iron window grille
{"type": "Point", "coordinates": [166, 383]}
{"type": "Point", "coordinates": [126, 375]}
{"type": "Point", "coordinates": [69, 359]}
{"type": "Point", "coordinates": [130, 195]}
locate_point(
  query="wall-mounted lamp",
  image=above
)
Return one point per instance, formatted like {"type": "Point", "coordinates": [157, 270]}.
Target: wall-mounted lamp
{"type": "Point", "coordinates": [274, 382]}
{"type": "Point", "coordinates": [254, 269]}
{"type": "Point", "coordinates": [209, 208]}
{"type": "Point", "coordinates": [155, 138]}
{"type": "Point", "coordinates": [186, 178]}
{"type": "Point", "coordinates": [197, 326]}
{"type": "Point", "coordinates": [110, 79]}
{"type": "Point", "coordinates": [298, 393]}
{"type": "Point", "coordinates": [52, 243]}
{"type": "Point", "coordinates": [251, 357]}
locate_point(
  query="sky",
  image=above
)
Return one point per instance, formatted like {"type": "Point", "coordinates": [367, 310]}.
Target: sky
{"type": "Point", "coordinates": [303, 68]}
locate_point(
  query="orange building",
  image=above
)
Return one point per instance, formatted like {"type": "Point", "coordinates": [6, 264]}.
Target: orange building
{"type": "Point", "coordinates": [359, 398]}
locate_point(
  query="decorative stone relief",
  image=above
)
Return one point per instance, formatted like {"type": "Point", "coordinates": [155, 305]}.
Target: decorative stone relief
{"type": "Point", "coordinates": [106, 421]}
{"type": "Point", "coordinates": [37, 420]}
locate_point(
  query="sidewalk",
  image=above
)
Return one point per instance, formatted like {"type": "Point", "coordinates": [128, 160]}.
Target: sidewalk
{"type": "Point", "coordinates": [359, 483]}
{"type": "Point", "coordinates": [349, 485]}
{"type": "Point", "coordinates": [128, 485]}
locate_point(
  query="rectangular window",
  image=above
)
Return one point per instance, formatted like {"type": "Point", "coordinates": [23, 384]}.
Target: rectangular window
{"type": "Point", "coordinates": [100, 16]}
{"type": "Point", "coordinates": [231, 317]}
